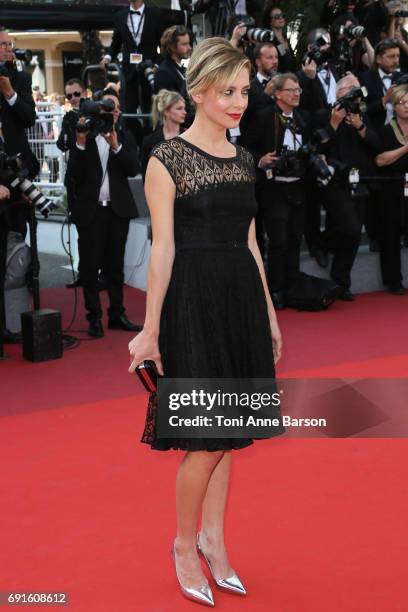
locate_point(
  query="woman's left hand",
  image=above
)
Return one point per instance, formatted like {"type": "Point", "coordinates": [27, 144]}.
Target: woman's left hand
{"type": "Point", "coordinates": [277, 341]}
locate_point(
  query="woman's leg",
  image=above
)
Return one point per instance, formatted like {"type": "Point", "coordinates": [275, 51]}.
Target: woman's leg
{"type": "Point", "coordinates": [191, 485]}
{"type": "Point", "coordinates": [212, 524]}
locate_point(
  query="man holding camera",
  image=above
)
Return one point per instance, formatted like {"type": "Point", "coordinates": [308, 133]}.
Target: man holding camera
{"type": "Point", "coordinates": [99, 166]}
{"type": "Point", "coordinates": [274, 135]}
{"type": "Point", "coordinates": [350, 150]}
{"type": "Point", "coordinates": [17, 112]}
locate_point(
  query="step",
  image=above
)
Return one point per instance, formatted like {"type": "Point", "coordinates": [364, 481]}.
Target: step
{"type": "Point", "coordinates": [366, 272]}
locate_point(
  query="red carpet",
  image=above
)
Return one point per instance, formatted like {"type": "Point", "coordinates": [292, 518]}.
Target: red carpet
{"type": "Point", "coordinates": [317, 524]}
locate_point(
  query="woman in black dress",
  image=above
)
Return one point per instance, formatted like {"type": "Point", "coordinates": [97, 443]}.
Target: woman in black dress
{"type": "Point", "coordinates": [168, 115]}
{"type": "Point", "coordinates": [209, 312]}
{"type": "Point", "coordinates": [393, 162]}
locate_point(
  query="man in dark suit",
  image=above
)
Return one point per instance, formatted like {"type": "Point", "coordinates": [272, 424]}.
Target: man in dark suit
{"type": "Point", "coordinates": [17, 112]}
{"type": "Point", "coordinates": [318, 81]}
{"type": "Point", "coordinates": [378, 82]}
{"type": "Point", "coordinates": [136, 33]}
{"type": "Point", "coordinates": [175, 45]}
{"type": "Point", "coordinates": [98, 170]}
{"type": "Point", "coordinates": [281, 191]}
{"type": "Point", "coordinates": [259, 96]}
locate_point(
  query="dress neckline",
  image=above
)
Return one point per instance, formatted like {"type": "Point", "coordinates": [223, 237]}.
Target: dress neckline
{"type": "Point", "coordinates": [205, 153]}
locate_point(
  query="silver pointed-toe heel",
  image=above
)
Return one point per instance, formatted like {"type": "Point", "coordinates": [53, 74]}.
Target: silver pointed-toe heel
{"type": "Point", "coordinates": [231, 584]}
{"type": "Point", "coordinates": [202, 595]}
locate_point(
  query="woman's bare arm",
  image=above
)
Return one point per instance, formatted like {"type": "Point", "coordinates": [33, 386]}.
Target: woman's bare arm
{"type": "Point", "coordinates": [389, 157]}
{"type": "Point", "coordinates": [160, 195]}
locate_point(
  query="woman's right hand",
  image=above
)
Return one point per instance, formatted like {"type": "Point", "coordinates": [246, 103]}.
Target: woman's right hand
{"type": "Point", "coordinates": [145, 346]}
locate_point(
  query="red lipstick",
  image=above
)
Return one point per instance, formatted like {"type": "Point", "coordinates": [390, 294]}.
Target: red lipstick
{"type": "Point", "coordinates": [235, 116]}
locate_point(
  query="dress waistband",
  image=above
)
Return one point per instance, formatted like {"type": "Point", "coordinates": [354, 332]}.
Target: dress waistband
{"type": "Point", "coordinates": [231, 244]}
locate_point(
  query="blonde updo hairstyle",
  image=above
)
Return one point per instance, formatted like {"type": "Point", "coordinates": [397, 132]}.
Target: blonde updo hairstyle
{"type": "Point", "coordinates": [161, 102]}
{"type": "Point", "coordinates": [214, 61]}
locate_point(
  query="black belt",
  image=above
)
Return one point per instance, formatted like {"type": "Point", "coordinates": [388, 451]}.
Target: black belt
{"type": "Point", "coordinates": [231, 244]}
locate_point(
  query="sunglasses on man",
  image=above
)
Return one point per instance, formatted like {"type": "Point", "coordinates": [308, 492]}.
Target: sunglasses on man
{"type": "Point", "coordinates": [77, 94]}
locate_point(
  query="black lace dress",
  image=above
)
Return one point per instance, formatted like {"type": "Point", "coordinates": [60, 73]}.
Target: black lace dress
{"type": "Point", "coordinates": [214, 320]}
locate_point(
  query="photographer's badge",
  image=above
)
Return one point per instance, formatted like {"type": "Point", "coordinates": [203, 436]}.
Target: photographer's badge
{"type": "Point", "coordinates": [136, 58]}
{"type": "Point", "coordinates": [269, 174]}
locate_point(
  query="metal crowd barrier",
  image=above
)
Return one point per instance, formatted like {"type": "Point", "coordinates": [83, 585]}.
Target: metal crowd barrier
{"type": "Point", "coordinates": [42, 138]}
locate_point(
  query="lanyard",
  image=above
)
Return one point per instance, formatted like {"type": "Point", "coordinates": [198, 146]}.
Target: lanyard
{"type": "Point", "coordinates": [136, 34]}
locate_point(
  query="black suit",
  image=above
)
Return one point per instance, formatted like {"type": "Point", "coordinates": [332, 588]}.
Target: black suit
{"type": "Point", "coordinates": [375, 93]}
{"type": "Point", "coordinates": [257, 100]}
{"type": "Point", "coordinates": [170, 76]}
{"type": "Point", "coordinates": [14, 121]}
{"type": "Point", "coordinates": [103, 230]}
{"type": "Point", "coordinates": [345, 214]}
{"type": "Point", "coordinates": [122, 41]}
{"type": "Point", "coordinates": [313, 96]}
{"type": "Point", "coordinates": [282, 203]}
{"type": "Point", "coordinates": [17, 118]}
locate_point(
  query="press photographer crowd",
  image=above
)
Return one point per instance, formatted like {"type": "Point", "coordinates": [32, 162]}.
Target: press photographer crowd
{"type": "Point", "coordinates": [326, 123]}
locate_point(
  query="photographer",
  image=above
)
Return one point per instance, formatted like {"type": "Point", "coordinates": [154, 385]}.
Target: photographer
{"type": "Point", "coordinates": [274, 135]}
{"type": "Point", "coordinates": [98, 167]}
{"type": "Point", "coordinates": [351, 148]}
{"type": "Point", "coordinates": [371, 14]}
{"type": "Point", "coordinates": [74, 93]}
{"type": "Point", "coordinates": [136, 34]}
{"type": "Point", "coordinates": [17, 112]}
{"type": "Point", "coordinates": [352, 50]}
{"type": "Point", "coordinates": [222, 12]}
{"type": "Point", "coordinates": [318, 76]}
{"type": "Point", "coordinates": [259, 96]}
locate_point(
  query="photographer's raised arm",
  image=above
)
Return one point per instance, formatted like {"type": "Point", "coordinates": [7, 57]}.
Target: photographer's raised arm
{"type": "Point", "coordinates": [17, 93]}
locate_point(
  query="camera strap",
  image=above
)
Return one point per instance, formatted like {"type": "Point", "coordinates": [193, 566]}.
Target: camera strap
{"type": "Point", "coordinates": [135, 33]}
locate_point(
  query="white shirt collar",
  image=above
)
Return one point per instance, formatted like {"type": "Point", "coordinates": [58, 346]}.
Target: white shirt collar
{"type": "Point", "coordinates": [140, 9]}
{"type": "Point", "coordinates": [261, 78]}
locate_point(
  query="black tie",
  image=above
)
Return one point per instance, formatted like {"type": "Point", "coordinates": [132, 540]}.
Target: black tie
{"type": "Point", "coordinates": [264, 82]}
{"type": "Point", "coordinates": [135, 13]}
{"type": "Point", "coordinates": [181, 69]}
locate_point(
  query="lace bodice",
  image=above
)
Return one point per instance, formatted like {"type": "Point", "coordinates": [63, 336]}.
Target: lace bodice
{"type": "Point", "coordinates": [193, 170]}
{"type": "Point", "coordinates": [215, 196]}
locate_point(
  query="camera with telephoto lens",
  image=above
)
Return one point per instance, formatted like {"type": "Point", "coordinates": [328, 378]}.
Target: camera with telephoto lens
{"type": "Point", "coordinates": [14, 172]}
{"type": "Point", "coordinates": [401, 14]}
{"type": "Point", "coordinates": [148, 68]}
{"type": "Point", "coordinates": [352, 101]}
{"type": "Point", "coordinates": [98, 117]}
{"type": "Point", "coordinates": [253, 35]}
{"type": "Point", "coordinates": [352, 31]}
{"type": "Point", "coordinates": [315, 52]}
{"type": "Point", "coordinates": [297, 163]}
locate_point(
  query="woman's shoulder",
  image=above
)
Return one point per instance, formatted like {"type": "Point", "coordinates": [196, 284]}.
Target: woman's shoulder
{"type": "Point", "coordinates": [168, 150]}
